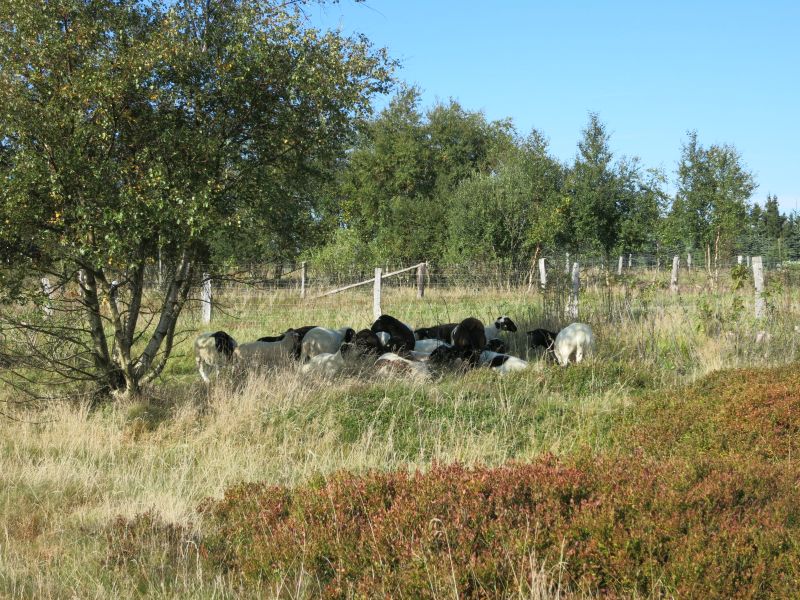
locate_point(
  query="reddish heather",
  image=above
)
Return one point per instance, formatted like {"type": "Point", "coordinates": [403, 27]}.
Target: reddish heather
{"type": "Point", "coordinates": [701, 499]}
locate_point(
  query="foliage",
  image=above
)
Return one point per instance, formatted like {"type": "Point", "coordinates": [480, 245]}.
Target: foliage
{"type": "Point", "coordinates": [133, 130]}
{"type": "Point", "coordinates": [394, 186]}
{"type": "Point", "coordinates": [508, 213]}
{"type": "Point", "coordinates": [710, 206]}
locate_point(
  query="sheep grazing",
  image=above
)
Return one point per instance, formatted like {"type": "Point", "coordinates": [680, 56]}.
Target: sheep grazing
{"type": "Point", "coordinates": [502, 363]}
{"type": "Point", "coordinates": [401, 336]}
{"type": "Point", "coordinates": [438, 332]}
{"type": "Point", "coordinates": [212, 351]}
{"type": "Point", "coordinates": [266, 353]}
{"type": "Point", "coordinates": [301, 332]}
{"type": "Point", "coordinates": [320, 340]}
{"type": "Point", "coordinates": [327, 364]}
{"type": "Point", "coordinates": [394, 363]}
{"type": "Point", "coordinates": [542, 338]}
{"type": "Point", "coordinates": [503, 323]}
{"type": "Point", "coordinates": [573, 342]}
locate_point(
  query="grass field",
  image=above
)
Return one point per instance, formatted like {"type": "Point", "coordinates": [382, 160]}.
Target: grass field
{"type": "Point", "coordinates": [104, 503]}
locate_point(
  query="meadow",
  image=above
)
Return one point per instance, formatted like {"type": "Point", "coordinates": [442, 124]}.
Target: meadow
{"type": "Point", "coordinates": [226, 492]}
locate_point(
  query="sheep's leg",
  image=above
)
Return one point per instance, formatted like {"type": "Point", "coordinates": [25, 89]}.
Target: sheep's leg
{"type": "Point", "coordinates": [202, 368]}
{"type": "Point", "coordinates": [579, 354]}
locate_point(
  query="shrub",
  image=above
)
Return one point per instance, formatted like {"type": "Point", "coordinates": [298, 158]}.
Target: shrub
{"type": "Point", "coordinates": [699, 500]}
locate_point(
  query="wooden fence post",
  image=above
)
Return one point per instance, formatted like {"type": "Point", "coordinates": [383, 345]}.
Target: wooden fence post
{"type": "Point", "coordinates": [630, 260]}
{"type": "Point", "coordinates": [758, 281]}
{"type": "Point", "coordinates": [205, 299]}
{"type": "Point", "coordinates": [619, 265]}
{"type": "Point", "coordinates": [421, 268]}
{"type": "Point", "coordinates": [542, 274]}
{"type": "Point", "coordinates": [376, 294]}
{"type": "Point", "coordinates": [689, 261]}
{"type": "Point", "coordinates": [303, 279]}
{"type": "Point", "coordinates": [739, 259]}
{"type": "Point", "coordinates": [673, 284]}
{"type": "Point", "coordinates": [572, 305]}
{"type": "Point", "coordinates": [748, 261]}
{"type": "Point", "coordinates": [48, 291]}
{"type": "Point", "coordinates": [566, 268]}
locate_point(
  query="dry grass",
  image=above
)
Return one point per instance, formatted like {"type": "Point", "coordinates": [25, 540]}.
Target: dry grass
{"type": "Point", "coordinates": [66, 472]}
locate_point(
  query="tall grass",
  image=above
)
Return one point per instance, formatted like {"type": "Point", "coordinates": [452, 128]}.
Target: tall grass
{"type": "Point", "coordinates": [68, 473]}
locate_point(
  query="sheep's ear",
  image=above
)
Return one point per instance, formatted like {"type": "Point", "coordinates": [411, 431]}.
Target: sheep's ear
{"type": "Point", "coordinates": [349, 335]}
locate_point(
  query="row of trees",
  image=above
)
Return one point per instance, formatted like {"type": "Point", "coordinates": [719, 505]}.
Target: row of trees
{"type": "Point", "coordinates": [202, 134]}
{"type": "Point", "coordinates": [448, 186]}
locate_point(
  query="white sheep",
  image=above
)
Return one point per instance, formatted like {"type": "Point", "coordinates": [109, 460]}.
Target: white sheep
{"type": "Point", "coordinates": [574, 341]}
{"type": "Point", "coordinates": [321, 340]}
{"type": "Point", "coordinates": [502, 363]}
{"type": "Point", "coordinates": [327, 364]}
{"type": "Point", "coordinates": [428, 345]}
{"type": "Point", "coordinates": [267, 353]}
{"type": "Point", "coordinates": [503, 323]}
{"type": "Point", "coordinates": [394, 363]}
{"type": "Point", "coordinates": [211, 352]}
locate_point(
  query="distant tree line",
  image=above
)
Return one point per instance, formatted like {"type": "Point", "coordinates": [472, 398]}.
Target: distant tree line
{"type": "Point", "coordinates": [448, 186]}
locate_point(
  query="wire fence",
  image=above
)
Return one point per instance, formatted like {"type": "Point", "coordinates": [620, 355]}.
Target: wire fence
{"type": "Point", "coordinates": [607, 290]}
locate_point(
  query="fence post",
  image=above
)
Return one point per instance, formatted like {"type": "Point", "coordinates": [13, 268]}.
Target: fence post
{"type": "Point", "coordinates": [303, 279]}
{"type": "Point", "coordinates": [630, 260]}
{"type": "Point", "coordinates": [376, 294]}
{"type": "Point", "coordinates": [542, 274]}
{"type": "Point", "coordinates": [48, 291]}
{"type": "Point", "coordinates": [689, 261]}
{"type": "Point", "coordinates": [619, 265]}
{"type": "Point", "coordinates": [739, 259]}
{"type": "Point", "coordinates": [673, 284]}
{"type": "Point", "coordinates": [748, 261]}
{"type": "Point", "coordinates": [421, 267]}
{"type": "Point", "coordinates": [566, 268]}
{"type": "Point", "coordinates": [205, 299]}
{"type": "Point", "coordinates": [572, 305]}
{"type": "Point", "coordinates": [758, 280]}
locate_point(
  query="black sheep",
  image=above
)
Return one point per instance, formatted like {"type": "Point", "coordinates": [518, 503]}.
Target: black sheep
{"type": "Point", "coordinates": [401, 338]}
{"type": "Point", "coordinates": [437, 332]}
{"type": "Point", "coordinates": [224, 343]}
{"type": "Point", "coordinates": [542, 338]}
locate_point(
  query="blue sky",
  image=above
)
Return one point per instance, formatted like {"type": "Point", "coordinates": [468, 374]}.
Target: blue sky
{"type": "Point", "coordinates": [651, 70]}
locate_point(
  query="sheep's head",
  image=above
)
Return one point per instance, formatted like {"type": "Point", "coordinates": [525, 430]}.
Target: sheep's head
{"type": "Point", "coordinates": [505, 323]}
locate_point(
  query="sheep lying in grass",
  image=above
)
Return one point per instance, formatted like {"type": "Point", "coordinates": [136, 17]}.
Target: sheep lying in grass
{"type": "Point", "coordinates": [502, 363]}
{"type": "Point", "coordinates": [267, 353]}
{"type": "Point", "coordinates": [211, 352]}
{"type": "Point", "coordinates": [401, 337]}
{"type": "Point", "coordinates": [321, 340]}
{"type": "Point", "coordinates": [575, 341]}
{"type": "Point", "coordinates": [391, 363]}
{"type": "Point", "coordinates": [327, 364]}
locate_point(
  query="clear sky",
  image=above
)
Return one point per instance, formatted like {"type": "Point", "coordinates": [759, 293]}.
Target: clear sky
{"type": "Point", "coordinates": [651, 70]}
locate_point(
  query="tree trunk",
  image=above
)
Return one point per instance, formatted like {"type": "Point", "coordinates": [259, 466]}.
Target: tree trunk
{"type": "Point", "coordinates": [174, 300]}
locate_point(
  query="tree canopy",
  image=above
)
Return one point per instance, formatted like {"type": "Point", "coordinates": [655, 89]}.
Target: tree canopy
{"type": "Point", "coordinates": [131, 127]}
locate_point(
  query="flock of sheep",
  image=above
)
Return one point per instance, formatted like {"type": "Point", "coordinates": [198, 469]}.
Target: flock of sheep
{"type": "Point", "coordinates": [391, 345]}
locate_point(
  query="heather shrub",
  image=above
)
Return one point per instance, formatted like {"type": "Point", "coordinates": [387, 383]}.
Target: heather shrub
{"type": "Point", "coordinates": [698, 499]}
